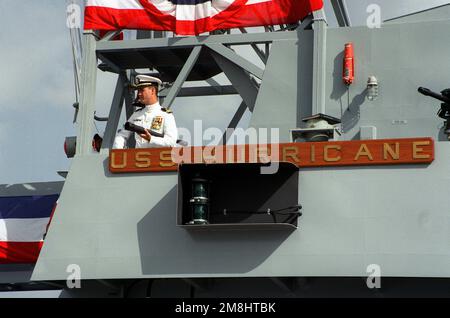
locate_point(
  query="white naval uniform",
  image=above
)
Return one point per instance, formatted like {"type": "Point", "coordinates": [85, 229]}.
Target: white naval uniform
{"type": "Point", "coordinates": [153, 118]}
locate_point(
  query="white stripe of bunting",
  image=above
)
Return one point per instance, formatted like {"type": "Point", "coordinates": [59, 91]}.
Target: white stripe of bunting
{"type": "Point", "coordinates": [22, 230]}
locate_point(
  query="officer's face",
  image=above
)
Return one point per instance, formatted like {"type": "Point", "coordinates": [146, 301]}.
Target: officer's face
{"type": "Point", "coordinates": [146, 95]}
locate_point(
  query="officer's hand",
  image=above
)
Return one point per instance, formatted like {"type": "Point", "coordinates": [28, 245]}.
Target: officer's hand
{"type": "Point", "coordinates": [146, 136]}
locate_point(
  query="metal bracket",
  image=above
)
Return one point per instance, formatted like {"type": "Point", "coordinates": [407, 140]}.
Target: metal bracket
{"type": "Point", "coordinates": [236, 59]}
{"type": "Point", "coordinates": [184, 73]}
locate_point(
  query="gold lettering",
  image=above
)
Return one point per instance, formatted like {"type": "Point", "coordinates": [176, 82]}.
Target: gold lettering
{"type": "Point", "coordinates": [313, 153]}
{"type": "Point", "coordinates": [229, 155]}
{"type": "Point", "coordinates": [252, 153]}
{"type": "Point", "coordinates": [326, 157]}
{"type": "Point", "coordinates": [291, 152]}
{"type": "Point", "coordinates": [142, 159]}
{"type": "Point", "coordinates": [395, 155]}
{"type": "Point", "coordinates": [113, 160]}
{"type": "Point", "coordinates": [363, 151]}
{"type": "Point", "coordinates": [263, 154]}
{"type": "Point", "coordinates": [240, 154]}
{"type": "Point", "coordinates": [166, 155]}
{"type": "Point", "coordinates": [198, 154]}
{"type": "Point", "coordinates": [213, 154]}
{"type": "Point", "coordinates": [181, 155]}
{"type": "Point", "coordinates": [417, 150]}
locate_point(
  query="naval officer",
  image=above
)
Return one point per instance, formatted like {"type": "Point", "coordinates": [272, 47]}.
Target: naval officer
{"type": "Point", "coordinates": [152, 117]}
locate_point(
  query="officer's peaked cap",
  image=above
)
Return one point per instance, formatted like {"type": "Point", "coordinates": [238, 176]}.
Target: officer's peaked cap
{"type": "Point", "coordinates": [146, 80]}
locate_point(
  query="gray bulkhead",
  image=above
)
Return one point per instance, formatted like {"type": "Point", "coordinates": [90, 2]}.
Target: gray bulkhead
{"type": "Point", "coordinates": [124, 226]}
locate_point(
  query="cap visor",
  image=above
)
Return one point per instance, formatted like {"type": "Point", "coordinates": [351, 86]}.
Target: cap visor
{"type": "Point", "coordinates": [141, 85]}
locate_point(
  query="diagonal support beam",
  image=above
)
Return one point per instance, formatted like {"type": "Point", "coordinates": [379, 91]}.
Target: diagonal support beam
{"type": "Point", "coordinates": [110, 35]}
{"type": "Point", "coordinates": [240, 79]}
{"type": "Point", "coordinates": [306, 23]}
{"type": "Point", "coordinates": [203, 91]}
{"type": "Point", "coordinates": [236, 59]}
{"type": "Point", "coordinates": [234, 122]}
{"type": "Point", "coordinates": [184, 73]}
{"type": "Point", "coordinates": [213, 83]}
{"type": "Point", "coordinates": [263, 56]}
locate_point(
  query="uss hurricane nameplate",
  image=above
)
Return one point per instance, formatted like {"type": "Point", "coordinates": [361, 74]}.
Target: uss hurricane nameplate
{"type": "Point", "coordinates": [302, 154]}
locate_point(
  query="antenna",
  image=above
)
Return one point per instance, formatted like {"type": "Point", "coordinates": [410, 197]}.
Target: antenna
{"type": "Point", "coordinates": [77, 52]}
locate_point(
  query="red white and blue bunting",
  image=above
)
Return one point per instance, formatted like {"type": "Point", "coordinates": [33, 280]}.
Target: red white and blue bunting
{"type": "Point", "coordinates": [192, 17]}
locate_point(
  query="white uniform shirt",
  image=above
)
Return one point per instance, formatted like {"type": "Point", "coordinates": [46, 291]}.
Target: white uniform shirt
{"type": "Point", "coordinates": [154, 119]}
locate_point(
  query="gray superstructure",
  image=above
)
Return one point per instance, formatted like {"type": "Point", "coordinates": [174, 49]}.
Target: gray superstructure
{"type": "Point", "coordinates": [123, 227]}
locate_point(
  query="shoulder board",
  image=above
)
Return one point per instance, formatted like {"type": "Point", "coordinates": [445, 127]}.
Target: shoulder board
{"type": "Point", "coordinates": [166, 110]}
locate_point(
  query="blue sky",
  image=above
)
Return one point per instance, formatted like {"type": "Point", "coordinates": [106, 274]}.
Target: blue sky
{"type": "Point", "coordinates": [37, 88]}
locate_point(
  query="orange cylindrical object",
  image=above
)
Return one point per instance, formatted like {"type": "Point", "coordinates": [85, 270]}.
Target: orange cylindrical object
{"type": "Point", "coordinates": [349, 64]}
